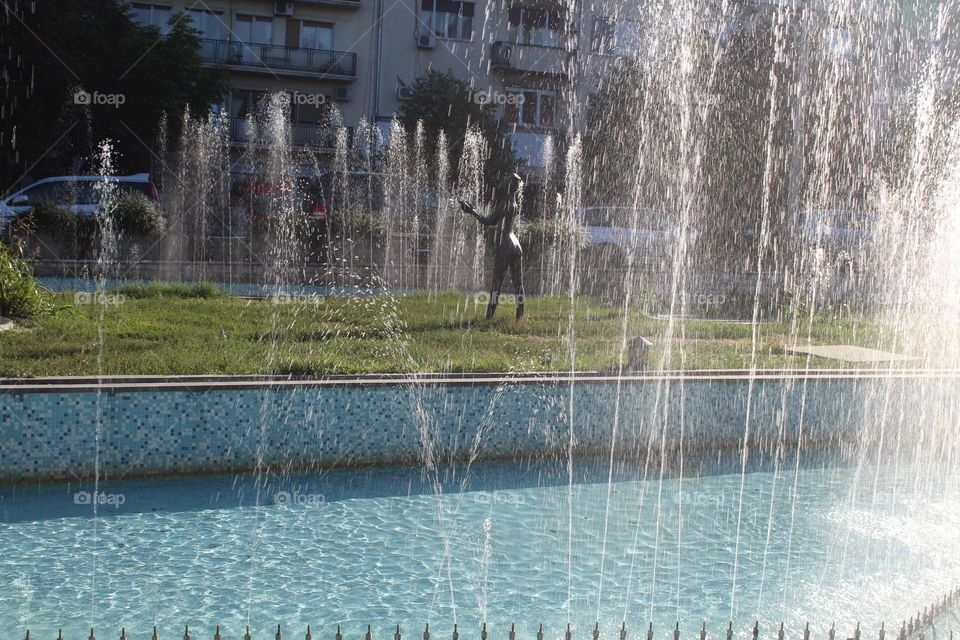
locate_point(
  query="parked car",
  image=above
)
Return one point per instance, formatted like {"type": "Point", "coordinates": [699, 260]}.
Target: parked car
{"type": "Point", "coordinates": [649, 235]}
{"type": "Point", "coordinates": [76, 193]}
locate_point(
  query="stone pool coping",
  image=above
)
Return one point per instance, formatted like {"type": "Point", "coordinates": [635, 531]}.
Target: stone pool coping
{"type": "Point", "coordinates": [204, 382]}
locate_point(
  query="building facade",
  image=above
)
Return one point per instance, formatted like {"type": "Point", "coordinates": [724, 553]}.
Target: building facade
{"type": "Point", "coordinates": [529, 59]}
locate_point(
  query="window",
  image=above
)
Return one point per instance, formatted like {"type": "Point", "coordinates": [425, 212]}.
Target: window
{"type": "Point", "coordinates": [208, 23]}
{"type": "Point", "coordinates": [151, 15]}
{"type": "Point", "coordinates": [254, 29]}
{"type": "Point", "coordinates": [244, 102]}
{"type": "Point", "coordinates": [616, 38]}
{"type": "Point", "coordinates": [448, 18]}
{"type": "Point", "coordinates": [536, 26]}
{"type": "Point", "coordinates": [535, 109]}
{"type": "Point", "coordinates": [316, 35]}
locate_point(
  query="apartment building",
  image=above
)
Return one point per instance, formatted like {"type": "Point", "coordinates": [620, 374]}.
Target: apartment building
{"type": "Point", "coordinates": [364, 55]}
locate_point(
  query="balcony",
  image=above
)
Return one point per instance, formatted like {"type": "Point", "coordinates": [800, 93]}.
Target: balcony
{"type": "Point", "coordinates": [548, 61]}
{"type": "Point", "coordinates": [277, 60]}
{"type": "Point", "coordinates": [307, 136]}
{"type": "Point", "coordinates": [342, 4]}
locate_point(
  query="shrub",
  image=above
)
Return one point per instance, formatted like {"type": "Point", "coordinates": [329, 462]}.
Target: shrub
{"type": "Point", "coordinates": [551, 233]}
{"type": "Point", "coordinates": [134, 215]}
{"type": "Point", "coordinates": [58, 222]}
{"type": "Point", "coordinates": [170, 290]}
{"type": "Point", "coordinates": [357, 223]}
{"type": "Point", "coordinates": [20, 295]}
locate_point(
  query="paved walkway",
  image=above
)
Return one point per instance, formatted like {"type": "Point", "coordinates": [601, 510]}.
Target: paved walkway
{"type": "Point", "coordinates": [850, 353]}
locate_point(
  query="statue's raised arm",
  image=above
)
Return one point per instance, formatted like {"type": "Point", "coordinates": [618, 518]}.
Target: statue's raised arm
{"type": "Point", "coordinates": [489, 221]}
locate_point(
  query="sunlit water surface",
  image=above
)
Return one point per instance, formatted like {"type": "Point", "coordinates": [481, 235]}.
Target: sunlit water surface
{"type": "Point", "coordinates": [500, 542]}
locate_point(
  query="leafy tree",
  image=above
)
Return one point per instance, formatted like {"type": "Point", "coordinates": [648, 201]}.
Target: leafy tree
{"type": "Point", "coordinates": [444, 102]}
{"type": "Point", "coordinates": [54, 50]}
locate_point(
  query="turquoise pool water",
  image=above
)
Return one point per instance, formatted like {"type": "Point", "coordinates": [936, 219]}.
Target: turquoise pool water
{"type": "Point", "coordinates": [497, 542]}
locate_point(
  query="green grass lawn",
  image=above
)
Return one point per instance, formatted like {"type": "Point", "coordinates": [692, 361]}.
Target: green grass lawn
{"type": "Point", "coordinates": [181, 331]}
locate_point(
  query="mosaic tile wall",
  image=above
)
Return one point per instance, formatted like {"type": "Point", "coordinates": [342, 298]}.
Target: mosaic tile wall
{"type": "Point", "coordinates": [54, 434]}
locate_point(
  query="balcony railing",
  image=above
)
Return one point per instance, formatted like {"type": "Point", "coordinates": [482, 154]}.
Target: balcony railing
{"type": "Point", "coordinates": [527, 58]}
{"type": "Point", "coordinates": [310, 136]}
{"type": "Point", "coordinates": [277, 59]}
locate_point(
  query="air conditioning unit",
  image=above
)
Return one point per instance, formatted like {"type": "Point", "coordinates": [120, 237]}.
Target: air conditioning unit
{"type": "Point", "coordinates": [283, 8]}
{"type": "Point", "coordinates": [405, 93]}
{"type": "Point", "coordinates": [500, 55]}
{"type": "Point", "coordinates": [343, 94]}
{"type": "Point", "coordinates": [426, 41]}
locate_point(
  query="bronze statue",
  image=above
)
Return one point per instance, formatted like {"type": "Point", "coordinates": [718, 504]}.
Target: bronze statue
{"type": "Point", "coordinates": [508, 253]}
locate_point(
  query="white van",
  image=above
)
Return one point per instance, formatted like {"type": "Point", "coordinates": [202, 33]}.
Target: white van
{"type": "Point", "coordinates": [76, 193]}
